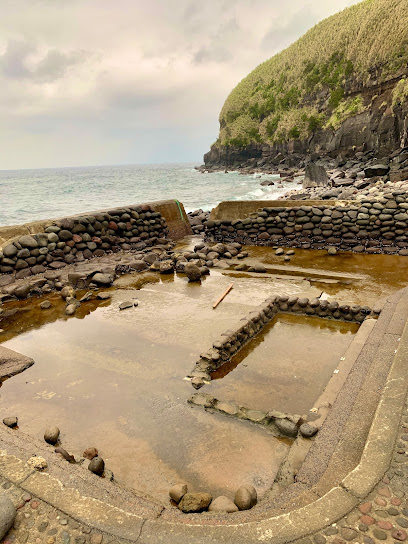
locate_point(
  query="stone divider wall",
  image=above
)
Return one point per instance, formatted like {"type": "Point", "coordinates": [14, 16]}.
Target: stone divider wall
{"type": "Point", "coordinates": [74, 239]}
{"type": "Point", "coordinates": [369, 225]}
{"type": "Point", "coordinates": [248, 327]}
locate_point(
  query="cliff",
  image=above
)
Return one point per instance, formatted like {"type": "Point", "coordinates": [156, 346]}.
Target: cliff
{"type": "Point", "coordinates": [340, 88]}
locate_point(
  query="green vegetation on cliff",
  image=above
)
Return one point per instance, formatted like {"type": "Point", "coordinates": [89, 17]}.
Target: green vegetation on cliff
{"type": "Point", "coordinates": [307, 85]}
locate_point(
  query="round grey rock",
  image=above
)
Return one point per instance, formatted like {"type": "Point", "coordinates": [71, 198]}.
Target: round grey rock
{"type": "Point", "coordinates": [51, 435]}
{"type": "Point", "coordinates": [192, 272]}
{"type": "Point", "coordinates": [286, 427]}
{"type": "Point", "coordinates": [223, 504]}
{"type": "Point", "coordinates": [28, 241]}
{"type": "Point", "coordinates": [7, 514]}
{"type": "Point", "coordinates": [246, 497]}
{"type": "Point", "coordinates": [10, 251]}
{"type": "Point", "coordinates": [97, 466]}
{"type": "Point", "coordinates": [10, 421]}
{"type": "Point", "coordinates": [307, 430]}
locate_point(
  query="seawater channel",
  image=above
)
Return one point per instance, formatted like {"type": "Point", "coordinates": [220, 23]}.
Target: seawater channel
{"type": "Point", "coordinates": [115, 379]}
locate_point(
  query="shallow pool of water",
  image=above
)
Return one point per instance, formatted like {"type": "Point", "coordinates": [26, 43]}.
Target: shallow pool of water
{"type": "Point", "coordinates": [286, 366]}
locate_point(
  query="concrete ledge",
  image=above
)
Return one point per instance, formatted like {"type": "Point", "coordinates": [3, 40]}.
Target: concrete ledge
{"type": "Point", "coordinates": [276, 530]}
{"type": "Point", "coordinates": [240, 209]}
{"type": "Point", "coordinates": [378, 450]}
{"type": "Point", "coordinates": [87, 510]}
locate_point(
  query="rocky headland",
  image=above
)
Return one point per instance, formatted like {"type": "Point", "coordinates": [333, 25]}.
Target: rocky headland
{"type": "Point", "coordinates": [341, 102]}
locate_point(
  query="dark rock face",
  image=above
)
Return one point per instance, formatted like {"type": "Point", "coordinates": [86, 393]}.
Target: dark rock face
{"type": "Point", "coordinates": [376, 170]}
{"type": "Point", "coordinates": [381, 128]}
{"type": "Point", "coordinates": [315, 176]}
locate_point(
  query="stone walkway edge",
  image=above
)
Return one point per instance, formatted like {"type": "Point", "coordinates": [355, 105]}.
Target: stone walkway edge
{"type": "Point", "coordinates": [286, 527]}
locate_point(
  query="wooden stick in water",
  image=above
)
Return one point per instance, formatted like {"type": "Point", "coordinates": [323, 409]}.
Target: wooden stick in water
{"type": "Point", "coordinates": [223, 295]}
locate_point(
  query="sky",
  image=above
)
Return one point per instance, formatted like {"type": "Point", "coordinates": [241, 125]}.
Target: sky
{"type": "Point", "coordinates": [93, 82]}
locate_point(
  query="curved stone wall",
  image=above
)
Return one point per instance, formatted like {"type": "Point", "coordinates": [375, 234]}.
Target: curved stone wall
{"type": "Point", "coordinates": [33, 248]}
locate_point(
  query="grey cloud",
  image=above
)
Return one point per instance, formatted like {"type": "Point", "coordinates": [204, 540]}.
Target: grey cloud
{"type": "Point", "coordinates": [13, 61]}
{"type": "Point", "coordinates": [53, 65]}
{"type": "Point", "coordinates": [221, 45]}
{"type": "Point", "coordinates": [280, 36]}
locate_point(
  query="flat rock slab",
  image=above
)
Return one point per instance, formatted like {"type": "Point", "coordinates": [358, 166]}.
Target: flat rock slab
{"type": "Point", "coordinates": [12, 363]}
{"type": "Point", "coordinates": [7, 514]}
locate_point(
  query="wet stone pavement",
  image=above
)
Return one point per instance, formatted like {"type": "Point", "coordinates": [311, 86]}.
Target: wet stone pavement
{"type": "Point", "coordinates": [39, 523]}
{"type": "Point", "coordinates": [383, 515]}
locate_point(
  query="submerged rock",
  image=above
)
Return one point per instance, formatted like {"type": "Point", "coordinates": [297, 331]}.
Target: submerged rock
{"type": "Point", "coordinates": [103, 296]}
{"type": "Point", "coordinates": [45, 305]}
{"type": "Point", "coordinates": [177, 492]}
{"type": "Point", "coordinates": [195, 502]}
{"type": "Point", "coordinates": [246, 497]}
{"type": "Point", "coordinates": [90, 453]}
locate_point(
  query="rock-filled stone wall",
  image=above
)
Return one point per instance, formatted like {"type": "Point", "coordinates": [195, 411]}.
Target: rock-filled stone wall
{"type": "Point", "coordinates": [74, 239]}
{"type": "Point", "coordinates": [369, 225]}
{"type": "Point", "coordinates": [248, 327]}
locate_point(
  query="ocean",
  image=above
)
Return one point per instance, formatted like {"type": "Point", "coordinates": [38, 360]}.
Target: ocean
{"type": "Point", "coordinates": [29, 195]}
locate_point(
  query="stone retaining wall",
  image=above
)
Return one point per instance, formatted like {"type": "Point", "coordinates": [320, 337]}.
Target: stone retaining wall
{"type": "Point", "coordinates": [370, 225]}
{"type": "Point", "coordinates": [57, 243]}
{"type": "Point", "coordinates": [234, 339]}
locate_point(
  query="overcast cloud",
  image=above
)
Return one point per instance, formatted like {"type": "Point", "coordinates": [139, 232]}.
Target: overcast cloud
{"type": "Point", "coordinates": [87, 82]}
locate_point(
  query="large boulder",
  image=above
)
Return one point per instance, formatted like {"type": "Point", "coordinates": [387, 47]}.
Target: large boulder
{"type": "Point", "coordinates": [376, 170]}
{"type": "Point", "coordinates": [102, 279]}
{"type": "Point", "coordinates": [315, 176]}
{"type": "Point", "coordinates": [192, 272]}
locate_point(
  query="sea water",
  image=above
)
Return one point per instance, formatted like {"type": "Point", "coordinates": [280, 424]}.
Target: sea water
{"type": "Point", "coordinates": [29, 195]}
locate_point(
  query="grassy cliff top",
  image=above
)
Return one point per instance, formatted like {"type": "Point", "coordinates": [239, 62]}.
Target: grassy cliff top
{"type": "Point", "coordinates": [306, 86]}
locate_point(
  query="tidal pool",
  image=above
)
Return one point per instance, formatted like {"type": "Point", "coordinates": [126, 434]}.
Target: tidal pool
{"type": "Point", "coordinates": [286, 366]}
{"type": "Point", "coordinates": [115, 379]}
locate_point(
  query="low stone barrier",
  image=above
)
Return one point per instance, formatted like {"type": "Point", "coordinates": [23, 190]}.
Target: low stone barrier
{"type": "Point", "coordinates": [74, 239]}
{"type": "Point", "coordinates": [248, 327]}
{"type": "Point", "coordinates": [370, 225]}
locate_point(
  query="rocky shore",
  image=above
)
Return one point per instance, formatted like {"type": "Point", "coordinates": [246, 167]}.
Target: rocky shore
{"type": "Point", "coordinates": [347, 175]}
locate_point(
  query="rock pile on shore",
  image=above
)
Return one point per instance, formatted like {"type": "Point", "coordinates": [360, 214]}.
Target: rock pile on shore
{"type": "Point", "coordinates": [197, 219]}
{"type": "Point", "coordinates": [245, 498]}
